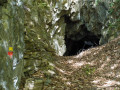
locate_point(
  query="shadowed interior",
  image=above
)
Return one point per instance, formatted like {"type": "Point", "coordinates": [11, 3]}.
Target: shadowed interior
{"type": "Point", "coordinates": [80, 40]}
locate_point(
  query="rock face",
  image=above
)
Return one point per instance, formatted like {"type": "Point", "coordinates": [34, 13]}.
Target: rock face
{"type": "Point", "coordinates": [81, 18]}
{"type": "Point", "coordinates": [68, 19]}
{"type": "Point", "coordinates": [11, 35]}
{"type": "Point", "coordinates": [37, 36]}
{"type": "Point", "coordinates": [111, 28]}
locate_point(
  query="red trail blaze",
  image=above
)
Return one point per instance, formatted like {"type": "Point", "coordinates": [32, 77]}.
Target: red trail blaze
{"type": "Point", "coordinates": [10, 54]}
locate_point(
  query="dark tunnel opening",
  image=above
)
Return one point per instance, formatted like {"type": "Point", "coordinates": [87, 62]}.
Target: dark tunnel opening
{"type": "Point", "coordinates": [77, 45]}
{"type": "Point", "coordinates": [74, 47]}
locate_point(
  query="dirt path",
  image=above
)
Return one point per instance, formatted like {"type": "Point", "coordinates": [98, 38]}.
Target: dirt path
{"type": "Point", "coordinates": [94, 69]}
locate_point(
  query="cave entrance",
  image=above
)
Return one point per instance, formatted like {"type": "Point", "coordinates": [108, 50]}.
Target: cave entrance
{"type": "Point", "coordinates": [78, 39]}
{"type": "Point", "coordinates": [74, 47]}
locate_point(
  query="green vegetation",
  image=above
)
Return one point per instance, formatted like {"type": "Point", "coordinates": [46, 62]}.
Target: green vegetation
{"type": "Point", "coordinates": [114, 23]}
{"type": "Point", "coordinates": [2, 2]}
{"type": "Point", "coordinates": [97, 2]}
{"type": "Point", "coordinates": [112, 26]}
{"type": "Point", "coordinates": [88, 70]}
{"type": "Point", "coordinates": [41, 4]}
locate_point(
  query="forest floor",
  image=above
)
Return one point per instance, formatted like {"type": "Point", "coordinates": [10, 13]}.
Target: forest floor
{"type": "Point", "coordinates": [94, 69]}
